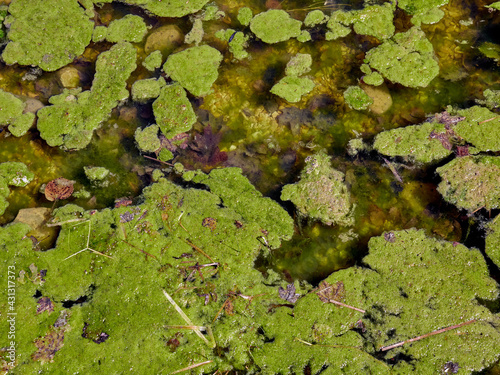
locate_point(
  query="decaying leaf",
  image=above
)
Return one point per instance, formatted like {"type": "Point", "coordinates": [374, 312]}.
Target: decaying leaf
{"type": "Point", "coordinates": [289, 294]}
{"type": "Point", "coordinates": [48, 346]}
{"type": "Point", "coordinates": [59, 189]}
{"type": "Point", "coordinates": [328, 292]}
{"type": "Point", "coordinates": [45, 304]}
{"type": "Point", "coordinates": [209, 222]}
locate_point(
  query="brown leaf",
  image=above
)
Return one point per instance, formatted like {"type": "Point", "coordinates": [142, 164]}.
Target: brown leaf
{"type": "Point", "coordinates": [328, 292]}
{"type": "Point", "coordinates": [48, 345]}
{"type": "Point", "coordinates": [45, 304]}
{"type": "Point", "coordinates": [288, 294]}
{"type": "Point", "coordinates": [58, 189]}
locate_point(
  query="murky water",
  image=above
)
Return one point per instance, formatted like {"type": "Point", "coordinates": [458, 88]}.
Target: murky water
{"type": "Point", "coordinates": [269, 138]}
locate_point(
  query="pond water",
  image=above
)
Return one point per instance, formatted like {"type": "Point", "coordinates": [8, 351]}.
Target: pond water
{"type": "Point", "coordinates": [241, 121]}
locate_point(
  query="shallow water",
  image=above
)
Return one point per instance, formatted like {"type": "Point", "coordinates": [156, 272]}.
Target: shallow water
{"type": "Point", "coordinates": [255, 136]}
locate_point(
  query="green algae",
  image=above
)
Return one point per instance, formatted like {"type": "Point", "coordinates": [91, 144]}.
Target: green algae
{"type": "Point", "coordinates": [194, 68]}
{"type": "Point", "coordinates": [492, 247]}
{"type": "Point", "coordinates": [292, 88]}
{"type": "Point", "coordinates": [146, 89]}
{"type": "Point", "coordinates": [244, 16]}
{"type": "Point", "coordinates": [274, 26]}
{"type": "Point", "coordinates": [153, 61]}
{"type": "Point", "coordinates": [74, 115]}
{"type": "Point", "coordinates": [413, 142]}
{"type": "Point", "coordinates": [471, 182]}
{"type": "Point", "coordinates": [99, 34]}
{"type": "Point", "coordinates": [356, 98]}
{"type": "Point", "coordinates": [13, 174]}
{"type": "Point", "coordinates": [96, 174]}
{"type": "Point", "coordinates": [170, 8]}
{"type": "Point", "coordinates": [314, 18]}
{"type": "Point", "coordinates": [338, 25]}
{"type": "Point", "coordinates": [11, 114]}
{"type": "Point", "coordinates": [237, 42]}
{"type": "Point", "coordinates": [173, 111]}
{"type": "Point", "coordinates": [298, 65]}
{"type": "Point", "coordinates": [419, 7]}
{"type": "Point", "coordinates": [481, 128]}
{"type": "Point", "coordinates": [130, 28]}
{"type": "Point", "coordinates": [147, 139]}
{"type": "Point", "coordinates": [491, 99]}
{"type": "Point", "coordinates": [495, 5]}
{"type": "Point", "coordinates": [408, 58]}
{"type": "Point", "coordinates": [321, 193]}
{"type": "Point", "coordinates": [46, 33]}
{"type": "Point", "coordinates": [195, 36]}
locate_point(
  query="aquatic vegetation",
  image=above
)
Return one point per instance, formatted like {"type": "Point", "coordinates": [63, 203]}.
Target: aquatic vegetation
{"type": "Point", "coordinates": [146, 89]}
{"type": "Point", "coordinates": [408, 58]}
{"type": "Point", "coordinates": [237, 42]}
{"type": "Point", "coordinates": [173, 111]}
{"type": "Point", "coordinates": [275, 26]}
{"type": "Point", "coordinates": [314, 18]}
{"type": "Point", "coordinates": [292, 88]}
{"type": "Point", "coordinates": [194, 68]}
{"type": "Point", "coordinates": [471, 182]}
{"type": "Point", "coordinates": [153, 61]}
{"type": "Point", "coordinates": [48, 34]}
{"type": "Point", "coordinates": [12, 174]}
{"type": "Point", "coordinates": [491, 99]}
{"type": "Point", "coordinates": [11, 114]}
{"type": "Point", "coordinates": [480, 127]}
{"type": "Point", "coordinates": [423, 11]}
{"type": "Point", "coordinates": [74, 115]}
{"type": "Point", "coordinates": [147, 139]}
{"type": "Point", "coordinates": [245, 15]}
{"type": "Point", "coordinates": [492, 247]}
{"type": "Point", "coordinates": [356, 98]}
{"type": "Point", "coordinates": [417, 143]}
{"type": "Point", "coordinates": [97, 175]}
{"type": "Point", "coordinates": [130, 28]}
{"type": "Point", "coordinates": [321, 193]}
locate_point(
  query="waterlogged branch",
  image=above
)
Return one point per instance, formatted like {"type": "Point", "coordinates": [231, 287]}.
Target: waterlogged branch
{"type": "Point", "coordinates": [190, 324]}
{"type": "Point", "coordinates": [385, 348]}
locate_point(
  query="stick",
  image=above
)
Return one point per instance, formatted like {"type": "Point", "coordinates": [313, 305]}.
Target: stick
{"type": "Point", "coordinates": [385, 348]}
{"type": "Point", "coordinates": [344, 305]}
{"type": "Point", "coordinates": [191, 367]}
{"type": "Point", "coordinates": [159, 161]}
{"type": "Point", "coordinates": [199, 250]}
{"type": "Point", "coordinates": [189, 322]}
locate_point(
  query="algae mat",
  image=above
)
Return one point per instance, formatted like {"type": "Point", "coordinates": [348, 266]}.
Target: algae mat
{"type": "Point", "coordinates": [245, 187]}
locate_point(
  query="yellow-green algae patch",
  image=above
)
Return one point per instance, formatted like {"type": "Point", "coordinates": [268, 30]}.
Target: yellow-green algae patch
{"type": "Point", "coordinates": [164, 8]}
{"type": "Point", "coordinates": [414, 142]}
{"type": "Point", "coordinates": [195, 68]}
{"type": "Point", "coordinates": [46, 33]}
{"type": "Point", "coordinates": [13, 174]}
{"type": "Point", "coordinates": [321, 193]}
{"type": "Point", "coordinates": [11, 114]}
{"type": "Point", "coordinates": [471, 182]}
{"type": "Point", "coordinates": [492, 247]}
{"type": "Point", "coordinates": [147, 139]}
{"type": "Point", "coordinates": [173, 111]}
{"type": "Point", "coordinates": [292, 88]}
{"type": "Point", "coordinates": [146, 89]}
{"type": "Point", "coordinates": [481, 127]}
{"type": "Point", "coordinates": [275, 26]}
{"type": "Point", "coordinates": [408, 58]}
{"type": "Point", "coordinates": [74, 115]}
{"type": "Point", "coordinates": [356, 98]}
{"type": "Point", "coordinates": [130, 28]}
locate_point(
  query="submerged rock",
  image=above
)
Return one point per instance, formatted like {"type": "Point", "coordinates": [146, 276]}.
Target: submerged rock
{"type": "Point", "coordinates": [321, 193]}
{"type": "Point", "coordinates": [275, 26]}
{"type": "Point", "coordinates": [164, 39]}
{"type": "Point", "coordinates": [471, 182]}
{"type": "Point", "coordinates": [408, 58]}
{"type": "Point", "coordinates": [74, 115]}
{"type": "Point", "coordinates": [46, 33]}
{"type": "Point", "coordinates": [195, 68]}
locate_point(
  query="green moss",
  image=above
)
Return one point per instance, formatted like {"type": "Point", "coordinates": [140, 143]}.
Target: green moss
{"type": "Point", "coordinates": [298, 64]}
{"type": "Point", "coordinates": [481, 128]}
{"type": "Point", "coordinates": [338, 25]}
{"type": "Point", "coordinates": [275, 26]}
{"type": "Point", "coordinates": [374, 79]}
{"type": "Point", "coordinates": [11, 114]}
{"type": "Point", "coordinates": [194, 68]}
{"type": "Point", "coordinates": [321, 193]}
{"type": "Point", "coordinates": [292, 88]}
{"type": "Point", "coordinates": [408, 58]}
{"type": "Point", "coordinates": [432, 16]}
{"type": "Point", "coordinates": [305, 36]}
{"type": "Point", "coordinates": [195, 36]}
{"type": "Point", "coordinates": [314, 18]}
{"type": "Point", "coordinates": [46, 33]}
{"type": "Point", "coordinates": [153, 61]}
{"type": "Point", "coordinates": [147, 139]}
{"type": "Point", "coordinates": [71, 121]}
{"type": "Point", "coordinates": [173, 111]}
{"type": "Point", "coordinates": [212, 12]}
{"type": "Point", "coordinates": [356, 98]}
{"type": "Point", "coordinates": [471, 182]}
{"type": "Point", "coordinates": [130, 28]}
{"type": "Point", "coordinates": [413, 142]}
{"type": "Point", "coordinates": [491, 99]}
{"type": "Point", "coordinates": [146, 89]}
{"type": "Point", "coordinates": [245, 16]}
{"type": "Point", "coordinates": [165, 155]}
